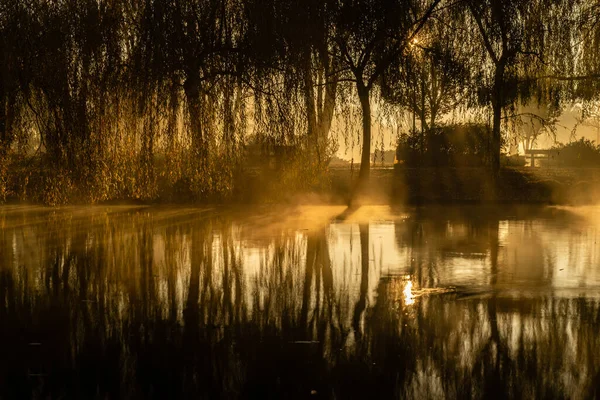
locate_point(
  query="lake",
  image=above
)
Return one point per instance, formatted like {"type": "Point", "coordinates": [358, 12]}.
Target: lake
{"type": "Point", "coordinates": [299, 302]}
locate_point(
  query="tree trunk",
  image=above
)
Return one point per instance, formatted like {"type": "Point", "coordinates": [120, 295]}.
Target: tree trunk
{"type": "Point", "coordinates": [3, 130]}
{"type": "Point", "coordinates": [3, 145]}
{"type": "Point", "coordinates": [497, 104]}
{"type": "Point", "coordinates": [7, 112]}
{"type": "Point", "coordinates": [365, 160]}
{"type": "Point", "coordinates": [228, 115]}
{"type": "Point", "coordinates": [495, 140]}
{"type": "Point", "coordinates": [309, 102]}
{"type": "Point", "coordinates": [319, 113]}
{"type": "Point", "coordinates": [325, 118]}
{"type": "Point", "coordinates": [423, 116]}
{"type": "Point", "coordinates": [4, 142]}
{"type": "Point", "coordinates": [192, 95]}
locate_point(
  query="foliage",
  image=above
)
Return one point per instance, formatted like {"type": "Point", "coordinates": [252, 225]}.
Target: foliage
{"type": "Point", "coordinates": [147, 99]}
{"type": "Point", "coordinates": [373, 35]}
{"type": "Point", "coordinates": [579, 153]}
{"type": "Point", "coordinates": [431, 79]}
{"type": "Point", "coordinates": [461, 145]}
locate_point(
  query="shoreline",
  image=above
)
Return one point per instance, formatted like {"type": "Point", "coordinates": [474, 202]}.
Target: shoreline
{"type": "Point", "coordinates": [399, 186]}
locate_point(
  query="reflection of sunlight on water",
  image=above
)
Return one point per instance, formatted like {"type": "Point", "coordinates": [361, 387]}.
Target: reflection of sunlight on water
{"type": "Point", "coordinates": [407, 291]}
{"type": "Point", "coordinates": [408, 296]}
{"type": "Point", "coordinates": [404, 291]}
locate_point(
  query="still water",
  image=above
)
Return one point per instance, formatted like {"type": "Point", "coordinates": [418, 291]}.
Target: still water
{"type": "Point", "coordinates": [299, 302]}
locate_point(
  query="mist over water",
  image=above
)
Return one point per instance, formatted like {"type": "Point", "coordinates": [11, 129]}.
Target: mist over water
{"type": "Point", "coordinates": [318, 302]}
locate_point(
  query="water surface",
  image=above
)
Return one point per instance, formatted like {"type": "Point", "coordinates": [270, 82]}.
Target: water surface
{"type": "Point", "coordinates": [299, 302]}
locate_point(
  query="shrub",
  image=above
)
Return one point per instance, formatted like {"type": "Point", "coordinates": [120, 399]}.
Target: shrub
{"type": "Point", "coordinates": [459, 145]}
{"type": "Point", "coordinates": [580, 153]}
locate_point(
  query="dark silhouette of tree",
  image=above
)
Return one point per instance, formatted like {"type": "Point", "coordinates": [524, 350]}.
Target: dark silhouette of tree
{"type": "Point", "coordinates": [192, 45]}
{"type": "Point", "coordinates": [13, 79]}
{"type": "Point", "coordinates": [291, 42]}
{"type": "Point", "coordinates": [431, 80]}
{"type": "Point", "coordinates": [512, 37]}
{"type": "Point", "coordinates": [371, 35]}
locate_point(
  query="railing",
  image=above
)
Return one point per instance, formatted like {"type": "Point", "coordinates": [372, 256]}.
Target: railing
{"type": "Point", "coordinates": [541, 154]}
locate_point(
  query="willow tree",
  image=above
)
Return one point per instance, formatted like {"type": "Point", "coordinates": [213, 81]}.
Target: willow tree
{"type": "Point", "coordinates": [188, 45]}
{"type": "Point", "coordinates": [432, 79]}
{"type": "Point", "coordinates": [513, 38]}
{"type": "Point", "coordinates": [576, 66]}
{"type": "Point", "coordinates": [13, 16]}
{"type": "Point", "coordinates": [291, 42]}
{"type": "Point", "coordinates": [319, 71]}
{"type": "Point", "coordinates": [18, 29]}
{"type": "Point", "coordinates": [14, 78]}
{"type": "Point", "coordinates": [272, 77]}
{"type": "Point", "coordinates": [71, 72]}
{"type": "Point", "coordinates": [57, 81]}
{"type": "Point", "coordinates": [371, 35]}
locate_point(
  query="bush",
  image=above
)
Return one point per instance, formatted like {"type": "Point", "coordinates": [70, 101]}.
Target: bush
{"type": "Point", "coordinates": [580, 153]}
{"type": "Point", "coordinates": [459, 145]}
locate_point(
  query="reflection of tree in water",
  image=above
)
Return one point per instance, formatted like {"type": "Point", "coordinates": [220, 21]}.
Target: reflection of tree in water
{"type": "Point", "coordinates": [132, 305]}
{"type": "Point", "coordinates": [512, 346]}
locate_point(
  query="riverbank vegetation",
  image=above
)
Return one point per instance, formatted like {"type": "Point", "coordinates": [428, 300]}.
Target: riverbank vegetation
{"type": "Point", "coordinates": [206, 100]}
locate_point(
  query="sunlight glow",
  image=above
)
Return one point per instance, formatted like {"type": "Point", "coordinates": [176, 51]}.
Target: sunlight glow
{"type": "Point", "coordinates": [408, 295]}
